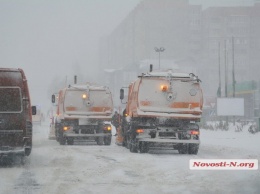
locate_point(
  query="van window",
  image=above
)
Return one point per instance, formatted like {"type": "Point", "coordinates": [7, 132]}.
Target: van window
{"type": "Point", "coordinates": [10, 99]}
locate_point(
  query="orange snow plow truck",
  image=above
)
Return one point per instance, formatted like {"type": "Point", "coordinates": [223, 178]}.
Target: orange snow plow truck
{"type": "Point", "coordinates": [83, 113]}
{"type": "Point", "coordinates": [162, 112]}
{"type": "Point", "coordinates": [15, 114]}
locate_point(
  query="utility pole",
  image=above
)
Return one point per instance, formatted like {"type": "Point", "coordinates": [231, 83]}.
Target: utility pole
{"type": "Point", "coordinates": [226, 69]}
{"type": "Point", "coordinates": [219, 76]}
{"type": "Point", "coordinates": [233, 69]}
{"type": "Point", "coordinates": [233, 73]}
{"type": "Point", "coordinates": [226, 79]}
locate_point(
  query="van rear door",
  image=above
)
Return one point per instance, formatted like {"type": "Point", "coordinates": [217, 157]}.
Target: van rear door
{"type": "Point", "coordinates": [12, 121]}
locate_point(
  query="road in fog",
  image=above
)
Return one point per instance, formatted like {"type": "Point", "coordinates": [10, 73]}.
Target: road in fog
{"type": "Point", "coordinates": [56, 169]}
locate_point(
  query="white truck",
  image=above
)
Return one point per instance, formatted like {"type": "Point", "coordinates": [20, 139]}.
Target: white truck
{"type": "Point", "coordinates": [162, 110]}
{"type": "Point", "coordinates": [83, 113]}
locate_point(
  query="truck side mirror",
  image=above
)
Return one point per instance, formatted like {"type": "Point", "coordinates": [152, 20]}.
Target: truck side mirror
{"type": "Point", "coordinates": [121, 94]}
{"type": "Point", "coordinates": [53, 98]}
{"type": "Point", "coordinates": [34, 110]}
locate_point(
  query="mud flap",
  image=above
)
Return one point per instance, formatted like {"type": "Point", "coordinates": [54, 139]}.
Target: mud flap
{"type": "Point", "coordinates": [27, 151]}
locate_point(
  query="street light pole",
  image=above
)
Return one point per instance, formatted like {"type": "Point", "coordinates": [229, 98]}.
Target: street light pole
{"type": "Point", "coordinates": [219, 77]}
{"type": "Point", "coordinates": [159, 50]}
{"type": "Point", "coordinates": [233, 73]}
{"type": "Point", "coordinates": [226, 78]}
{"type": "Point", "coordinates": [226, 69]}
{"type": "Point", "coordinates": [233, 69]}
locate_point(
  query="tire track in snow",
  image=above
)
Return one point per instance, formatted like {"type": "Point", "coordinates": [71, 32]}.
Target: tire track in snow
{"type": "Point", "coordinates": [26, 183]}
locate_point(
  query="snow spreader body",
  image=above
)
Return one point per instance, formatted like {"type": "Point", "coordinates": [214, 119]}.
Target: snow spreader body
{"type": "Point", "coordinates": [83, 113]}
{"type": "Point", "coordinates": [163, 110]}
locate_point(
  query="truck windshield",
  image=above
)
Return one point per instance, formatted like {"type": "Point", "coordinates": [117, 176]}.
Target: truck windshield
{"type": "Point", "coordinates": [10, 99]}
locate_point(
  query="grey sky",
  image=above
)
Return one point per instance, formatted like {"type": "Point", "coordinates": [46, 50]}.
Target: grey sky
{"type": "Point", "coordinates": [49, 38]}
{"type": "Point", "coordinates": [207, 3]}
{"type": "Point", "coordinates": [59, 38]}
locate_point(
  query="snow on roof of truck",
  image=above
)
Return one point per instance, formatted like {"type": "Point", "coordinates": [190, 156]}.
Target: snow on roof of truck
{"type": "Point", "coordinates": [87, 86]}
{"type": "Point", "coordinates": [169, 73]}
{"type": "Point", "coordinates": [9, 69]}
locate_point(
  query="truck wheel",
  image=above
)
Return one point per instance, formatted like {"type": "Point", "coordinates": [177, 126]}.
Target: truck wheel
{"type": "Point", "coordinates": [124, 143]}
{"type": "Point", "coordinates": [144, 147]}
{"type": "Point", "coordinates": [62, 140]}
{"type": "Point", "coordinates": [183, 149]}
{"type": "Point", "coordinates": [127, 145]}
{"type": "Point", "coordinates": [70, 141]}
{"type": "Point", "coordinates": [107, 140]}
{"type": "Point", "coordinates": [57, 133]}
{"type": "Point", "coordinates": [193, 148]}
{"type": "Point", "coordinates": [133, 147]}
{"type": "Point", "coordinates": [100, 140]}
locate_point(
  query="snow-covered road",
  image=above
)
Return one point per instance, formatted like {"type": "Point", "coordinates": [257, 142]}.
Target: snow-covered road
{"type": "Point", "coordinates": [81, 169]}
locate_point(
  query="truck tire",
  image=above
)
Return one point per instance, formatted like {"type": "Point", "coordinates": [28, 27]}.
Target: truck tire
{"type": "Point", "coordinates": [193, 148]}
{"type": "Point", "coordinates": [57, 132]}
{"type": "Point", "coordinates": [70, 141]}
{"type": "Point", "coordinates": [133, 148]}
{"type": "Point", "coordinates": [107, 140]}
{"type": "Point", "coordinates": [100, 140]}
{"type": "Point", "coordinates": [62, 140]}
{"type": "Point", "coordinates": [124, 143]}
{"type": "Point", "coordinates": [144, 147]}
{"type": "Point", "coordinates": [183, 148]}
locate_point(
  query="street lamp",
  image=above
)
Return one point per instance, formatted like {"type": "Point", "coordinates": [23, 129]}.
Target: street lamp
{"type": "Point", "coordinates": [159, 50]}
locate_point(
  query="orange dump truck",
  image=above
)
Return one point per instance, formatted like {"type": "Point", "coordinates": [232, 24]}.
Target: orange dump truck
{"type": "Point", "coordinates": [83, 113]}
{"type": "Point", "coordinates": [15, 114]}
{"type": "Point", "coordinates": [163, 110]}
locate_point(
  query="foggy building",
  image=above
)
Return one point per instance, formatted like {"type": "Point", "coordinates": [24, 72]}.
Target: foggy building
{"type": "Point", "coordinates": [191, 36]}
{"type": "Point", "coordinates": [229, 35]}
{"type": "Point", "coordinates": [173, 25]}
{"type": "Point", "coordinates": [255, 40]}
